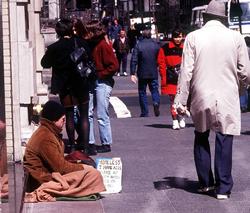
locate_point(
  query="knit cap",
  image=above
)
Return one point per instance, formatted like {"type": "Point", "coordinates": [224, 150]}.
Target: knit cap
{"type": "Point", "coordinates": [52, 111]}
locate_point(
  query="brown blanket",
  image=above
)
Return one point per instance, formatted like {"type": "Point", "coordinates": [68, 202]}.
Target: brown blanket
{"type": "Point", "coordinates": [75, 184]}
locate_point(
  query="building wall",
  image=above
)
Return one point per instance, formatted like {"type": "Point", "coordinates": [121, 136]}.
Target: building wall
{"type": "Point", "coordinates": [7, 78]}
{"type": "Point", "coordinates": [23, 46]}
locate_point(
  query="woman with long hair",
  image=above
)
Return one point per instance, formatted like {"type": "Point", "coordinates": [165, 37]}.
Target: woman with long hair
{"type": "Point", "coordinates": [100, 90]}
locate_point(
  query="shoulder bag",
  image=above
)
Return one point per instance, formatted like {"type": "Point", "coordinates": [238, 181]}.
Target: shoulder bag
{"type": "Point", "coordinates": [83, 65]}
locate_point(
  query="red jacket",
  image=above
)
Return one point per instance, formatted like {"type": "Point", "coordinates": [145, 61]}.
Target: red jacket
{"type": "Point", "coordinates": [105, 61]}
{"type": "Point", "coordinates": [169, 55]}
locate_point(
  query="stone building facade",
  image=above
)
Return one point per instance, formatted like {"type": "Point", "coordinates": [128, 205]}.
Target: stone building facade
{"type": "Point", "coordinates": [23, 46]}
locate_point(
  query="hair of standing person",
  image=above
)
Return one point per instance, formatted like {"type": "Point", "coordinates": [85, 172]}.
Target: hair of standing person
{"type": "Point", "coordinates": [176, 32]}
{"type": "Point", "coordinates": [64, 27]}
{"type": "Point", "coordinates": [146, 33]}
{"type": "Point", "coordinates": [95, 30]}
{"type": "Point", "coordinates": [115, 21]}
{"type": "Point", "coordinates": [79, 28]}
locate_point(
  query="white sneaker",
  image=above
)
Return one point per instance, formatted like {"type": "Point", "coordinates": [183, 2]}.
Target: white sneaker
{"type": "Point", "coordinates": [222, 197]}
{"type": "Point", "coordinates": [125, 74]}
{"type": "Point", "coordinates": [182, 123]}
{"type": "Point", "coordinates": [176, 124]}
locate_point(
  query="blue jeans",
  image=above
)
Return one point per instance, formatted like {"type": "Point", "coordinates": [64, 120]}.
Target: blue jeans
{"type": "Point", "coordinates": [142, 89]}
{"type": "Point", "coordinates": [99, 97]}
{"type": "Point", "coordinates": [244, 100]}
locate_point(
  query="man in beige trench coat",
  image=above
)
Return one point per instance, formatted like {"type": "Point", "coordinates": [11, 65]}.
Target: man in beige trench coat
{"type": "Point", "coordinates": [215, 60]}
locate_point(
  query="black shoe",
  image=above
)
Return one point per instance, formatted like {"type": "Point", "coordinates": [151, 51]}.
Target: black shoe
{"type": "Point", "coordinates": [156, 110]}
{"type": "Point", "coordinates": [244, 109]}
{"type": "Point", "coordinates": [73, 148]}
{"type": "Point", "coordinates": [103, 148]}
{"type": "Point", "coordinates": [206, 189]}
{"type": "Point", "coordinates": [143, 116]}
{"type": "Point", "coordinates": [91, 150]}
{"type": "Point", "coordinates": [80, 148]}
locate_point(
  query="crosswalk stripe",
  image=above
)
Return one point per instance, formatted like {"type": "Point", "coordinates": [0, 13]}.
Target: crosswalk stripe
{"type": "Point", "coordinates": [120, 108]}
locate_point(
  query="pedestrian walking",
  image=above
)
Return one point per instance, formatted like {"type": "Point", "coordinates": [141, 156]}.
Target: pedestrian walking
{"type": "Point", "coordinates": [121, 46]}
{"type": "Point", "coordinates": [115, 30]}
{"type": "Point", "coordinates": [169, 60]}
{"type": "Point", "coordinates": [215, 59]}
{"type": "Point", "coordinates": [65, 81]}
{"type": "Point", "coordinates": [132, 37]}
{"type": "Point", "coordinates": [44, 153]}
{"type": "Point", "coordinates": [144, 63]}
{"type": "Point", "coordinates": [100, 90]}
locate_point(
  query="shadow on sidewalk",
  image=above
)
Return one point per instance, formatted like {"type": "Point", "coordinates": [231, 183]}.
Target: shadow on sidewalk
{"type": "Point", "coordinates": [185, 184]}
{"type": "Point", "coordinates": [166, 126]}
{"type": "Point", "coordinates": [245, 133]}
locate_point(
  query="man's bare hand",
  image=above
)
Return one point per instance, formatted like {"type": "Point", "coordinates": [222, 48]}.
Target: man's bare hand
{"type": "Point", "coordinates": [181, 110]}
{"type": "Point", "coordinates": [134, 79]}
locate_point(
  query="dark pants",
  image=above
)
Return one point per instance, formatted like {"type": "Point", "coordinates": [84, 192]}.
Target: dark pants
{"type": "Point", "coordinates": [244, 101]}
{"type": "Point", "coordinates": [222, 161]}
{"type": "Point", "coordinates": [153, 88]}
{"type": "Point", "coordinates": [81, 126]}
{"type": "Point", "coordinates": [122, 59]}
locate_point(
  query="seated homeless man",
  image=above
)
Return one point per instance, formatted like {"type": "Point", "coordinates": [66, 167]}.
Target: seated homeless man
{"type": "Point", "coordinates": [44, 155]}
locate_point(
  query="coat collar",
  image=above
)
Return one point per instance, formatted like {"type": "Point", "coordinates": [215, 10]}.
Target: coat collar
{"type": "Point", "coordinates": [147, 39]}
{"type": "Point", "coordinates": [51, 126]}
{"type": "Point", "coordinates": [214, 23]}
{"type": "Point", "coordinates": [172, 45]}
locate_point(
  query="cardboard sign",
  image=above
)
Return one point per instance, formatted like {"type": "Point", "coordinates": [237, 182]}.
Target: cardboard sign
{"type": "Point", "coordinates": [111, 170]}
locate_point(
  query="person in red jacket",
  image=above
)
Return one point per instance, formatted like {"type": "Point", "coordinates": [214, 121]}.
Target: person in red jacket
{"type": "Point", "coordinates": [169, 60]}
{"type": "Point", "coordinates": [106, 65]}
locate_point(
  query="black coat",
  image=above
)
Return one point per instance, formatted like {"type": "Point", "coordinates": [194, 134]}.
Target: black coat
{"type": "Point", "coordinates": [65, 79]}
{"type": "Point", "coordinates": [144, 59]}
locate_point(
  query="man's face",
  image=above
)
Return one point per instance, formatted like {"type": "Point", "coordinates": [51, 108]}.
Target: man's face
{"type": "Point", "coordinates": [122, 34]}
{"type": "Point", "coordinates": [60, 122]}
{"type": "Point", "coordinates": [177, 40]}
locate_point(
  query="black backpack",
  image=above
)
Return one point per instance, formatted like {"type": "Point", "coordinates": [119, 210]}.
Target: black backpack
{"type": "Point", "coordinates": [83, 65]}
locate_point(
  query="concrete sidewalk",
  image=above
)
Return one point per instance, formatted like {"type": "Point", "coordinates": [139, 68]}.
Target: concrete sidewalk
{"type": "Point", "coordinates": [159, 174]}
{"type": "Point", "coordinates": [158, 168]}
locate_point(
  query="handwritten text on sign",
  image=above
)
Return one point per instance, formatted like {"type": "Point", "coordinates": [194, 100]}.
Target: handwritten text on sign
{"type": "Point", "coordinates": [111, 170]}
